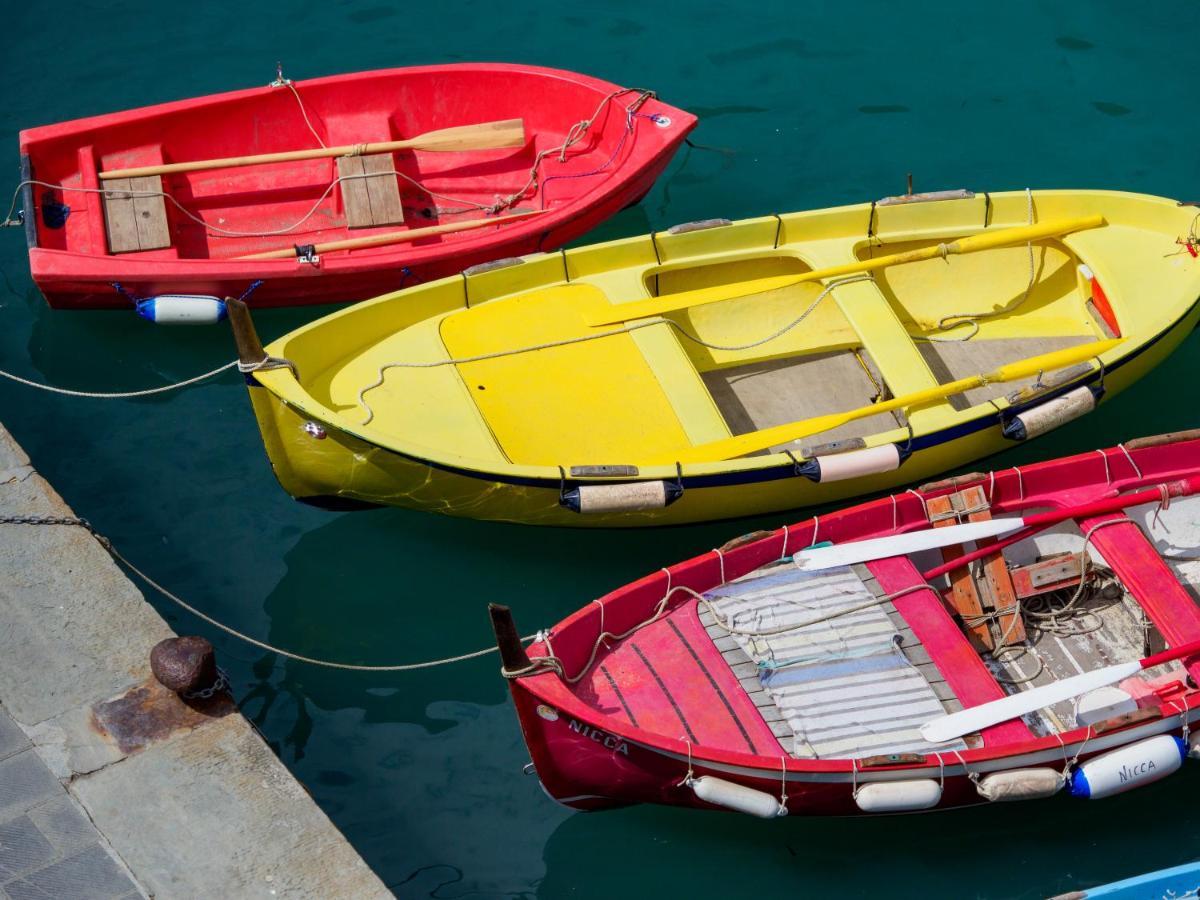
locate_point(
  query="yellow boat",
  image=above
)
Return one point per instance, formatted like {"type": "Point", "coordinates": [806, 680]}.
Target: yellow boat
{"type": "Point", "coordinates": [725, 369]}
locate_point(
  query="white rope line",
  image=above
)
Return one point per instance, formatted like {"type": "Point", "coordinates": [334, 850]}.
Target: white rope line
{"type": "Point", "coordinates": [295, 93]}
{"type": "Point", "coordinates": [324, 663]}
{"type": "Point", "coordinates": [1129, 457]}
{"type": "Point", "coordinates": [972, 319]}
{"type": "Point", "coordinates": [1107, 472]}
{"type": "Point", "coordinates": [116, 395]}
{"type": "Point", "coordinates": [233, 632]}
{"type": "Point", "coordinates": [583, 338]}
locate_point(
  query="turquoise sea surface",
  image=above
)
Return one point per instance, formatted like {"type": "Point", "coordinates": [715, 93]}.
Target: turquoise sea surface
{"type": "Point", "coordinates": [802, 105]}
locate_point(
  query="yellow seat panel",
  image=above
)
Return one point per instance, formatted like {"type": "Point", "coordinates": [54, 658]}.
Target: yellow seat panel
{"type": "Point", "coordinates": [592, 402]}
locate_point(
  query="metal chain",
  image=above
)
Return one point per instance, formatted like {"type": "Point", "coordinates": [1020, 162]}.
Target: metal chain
{"type": "Point", "coordinates": [220, 686]}
{"type": "Point", "coordinates": [262, 645]}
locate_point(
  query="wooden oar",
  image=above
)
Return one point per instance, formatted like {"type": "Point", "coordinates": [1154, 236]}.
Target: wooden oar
{"type": "Point", "coordinates": [393, 237]}
{"type": "Point", "coordinates": [817, 558]}
{"type": "Point", "coordinates": [741, 444]}
{"type": "Point", "coordinates": [485, 136]}
{"type": "Point", "coordinates": [656, 306]}
{"type": "Point", "coordinates": [966, 721]}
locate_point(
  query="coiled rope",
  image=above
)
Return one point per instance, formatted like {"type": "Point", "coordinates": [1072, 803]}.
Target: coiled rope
{"type": "Point", "coordinates": [579, 339]}
{"type": "Point", "coordinates": [233, 632]}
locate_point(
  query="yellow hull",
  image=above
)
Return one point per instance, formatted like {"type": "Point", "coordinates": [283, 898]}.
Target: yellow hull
{"type": "Point", "coordinates": [424, 457]}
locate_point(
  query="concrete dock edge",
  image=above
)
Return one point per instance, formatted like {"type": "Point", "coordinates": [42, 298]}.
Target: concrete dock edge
{"type": "Point", "coordinates": [110, 785]}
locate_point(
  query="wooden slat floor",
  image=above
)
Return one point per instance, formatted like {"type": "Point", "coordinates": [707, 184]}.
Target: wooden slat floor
{"type": "Point", "coordinates": [1122, 635]}
{"type": "Point", "coordinates": [746, 669]}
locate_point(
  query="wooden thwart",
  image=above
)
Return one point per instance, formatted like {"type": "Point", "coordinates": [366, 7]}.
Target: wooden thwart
{"type": "Point", "coordinates": [135, 222]}
{"type": "Point", "coordinates": [374, 200]}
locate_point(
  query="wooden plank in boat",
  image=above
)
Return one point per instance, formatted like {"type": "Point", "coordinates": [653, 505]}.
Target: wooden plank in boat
{"type": "Point", "coordinates": [135, 223]}
{"type": "Point", "coordinates": [963, 594]}
{"type": "Point", "coordinates": [374, 200]}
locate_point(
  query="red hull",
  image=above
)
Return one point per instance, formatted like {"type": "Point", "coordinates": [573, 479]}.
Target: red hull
{"type": "Point", "coordinates": [613, 166]}
{"type": "Point", "coordinates": [592, 752]}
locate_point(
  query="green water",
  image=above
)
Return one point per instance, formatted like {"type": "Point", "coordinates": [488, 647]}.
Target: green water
{"type": "Point", "coordinates": [809, 105]}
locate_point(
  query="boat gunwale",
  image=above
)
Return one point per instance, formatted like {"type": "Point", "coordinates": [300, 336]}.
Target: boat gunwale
{"type": "Point", "coordinates": [57, 130]}
{"type": "Point", "coordinates": [742, 470]}
{"type": "Point", "coordinates": [548, 688]}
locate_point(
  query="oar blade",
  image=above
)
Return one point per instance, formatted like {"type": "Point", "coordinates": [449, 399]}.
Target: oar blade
{"type": "Point", "coordinates": [483, 136]}
{"type": "Point", "coordinates": [818, 558]}
{"type": "Point", "coordinates": [948, 727]}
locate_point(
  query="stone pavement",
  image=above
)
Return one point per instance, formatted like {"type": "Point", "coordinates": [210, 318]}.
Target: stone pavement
{"type": "Point", "coordinates": [110, 785]}
{"type": "Point", "coordinates": [48, 846]}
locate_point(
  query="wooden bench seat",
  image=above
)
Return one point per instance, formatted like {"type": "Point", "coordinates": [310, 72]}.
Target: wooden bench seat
{"type": "Point", "coordinates": [134, 222]}
{"type": "Point", "coordinates": [374, 200]}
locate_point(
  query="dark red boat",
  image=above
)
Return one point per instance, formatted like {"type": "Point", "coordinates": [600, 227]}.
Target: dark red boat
{"type": "Point", "coordinates": [589, 149]}
{"type": "Point", "coordinates": [887, 680]}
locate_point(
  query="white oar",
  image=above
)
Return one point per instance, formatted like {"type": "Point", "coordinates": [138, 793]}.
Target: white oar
{"type": "Point", "coordinates": [946, 728]}
{"type": "Point", "coordinates": [817, 558]}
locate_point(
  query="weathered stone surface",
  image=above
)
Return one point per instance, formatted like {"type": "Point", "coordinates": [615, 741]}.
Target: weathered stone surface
{"type": "Point", "coordinates": [12, 738]}
{"type": "Point", "coordinates": [183, 792]}
{"type": "Point", "coordinates": [72, 626]}
{"type": "Point", "coordinates": [223, 786]}
{"type": "Point", "coordinates": [24, 783]}
{"type": "Point", "coordinates": [91, 873]}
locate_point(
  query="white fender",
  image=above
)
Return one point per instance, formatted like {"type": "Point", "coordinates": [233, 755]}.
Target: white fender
{"type": "Point", "coordinates": [898, 796]}
{"type": "Point", "coordinates": [737, 797]}
{"type": "Point", "coordinates": [856, 463]}
{"type": "Point", "coordinates": [1051, 414]}
{"type": "Point", "coordinates": [1128, 767]}
{"type": "Point", "coordinates": [182, 309]}
{"type": "Point", "coordinates": [1020, 784]}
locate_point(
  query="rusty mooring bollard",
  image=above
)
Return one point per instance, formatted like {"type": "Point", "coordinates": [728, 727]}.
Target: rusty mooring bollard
{"type": "Point", "coordinates": [187, 665]}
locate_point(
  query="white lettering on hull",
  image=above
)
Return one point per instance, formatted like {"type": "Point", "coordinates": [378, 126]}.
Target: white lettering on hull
{"type": "Point", "coordinates": [606, 740]}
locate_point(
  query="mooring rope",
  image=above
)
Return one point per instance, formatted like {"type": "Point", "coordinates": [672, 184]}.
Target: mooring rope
{"type": "Point", "coordinates": [117, 395]}
{"type": "Point", "coordinates": [233, 632]}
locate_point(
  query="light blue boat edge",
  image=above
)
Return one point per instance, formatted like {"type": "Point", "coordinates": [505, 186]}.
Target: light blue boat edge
{"type": "Point", "coordinates": [1180, 881]}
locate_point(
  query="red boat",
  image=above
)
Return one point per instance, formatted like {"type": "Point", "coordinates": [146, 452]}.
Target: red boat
{"type": "Point", "coordinates": [851, 677]}
{"type": "Point", "coordinates": [589, 148]}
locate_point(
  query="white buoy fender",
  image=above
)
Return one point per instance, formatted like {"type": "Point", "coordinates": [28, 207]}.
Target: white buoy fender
{"type": "Point", "coordinates": [1129, 767]}
{"type": "Point", "coordinates": [898, 796]}
{"type": "Point", "coordinates": [1020, 784]}
{"type": "Point", "coordinates": [1049, 415]}
{"type": "Point", "coordinates": [182, 309]}
{"type": "Point", "coordinates": [737, 797]}
{"type": "Point", "coordinates": [629, 497]}
{"type": "Point", "coordinates": [854, 464]}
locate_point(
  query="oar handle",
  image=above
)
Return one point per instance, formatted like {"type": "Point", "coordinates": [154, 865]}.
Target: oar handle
{"type": "Point", "coordinates": [1191, 648]}
{"type": "Point", "coordinates": [1182, 488]}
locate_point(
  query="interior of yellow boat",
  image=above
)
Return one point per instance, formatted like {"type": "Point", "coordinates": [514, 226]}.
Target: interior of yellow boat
{"type": "Point", "coordinates": [434, 374]}
{"type": "Point", "coordinates": [630, 396]}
